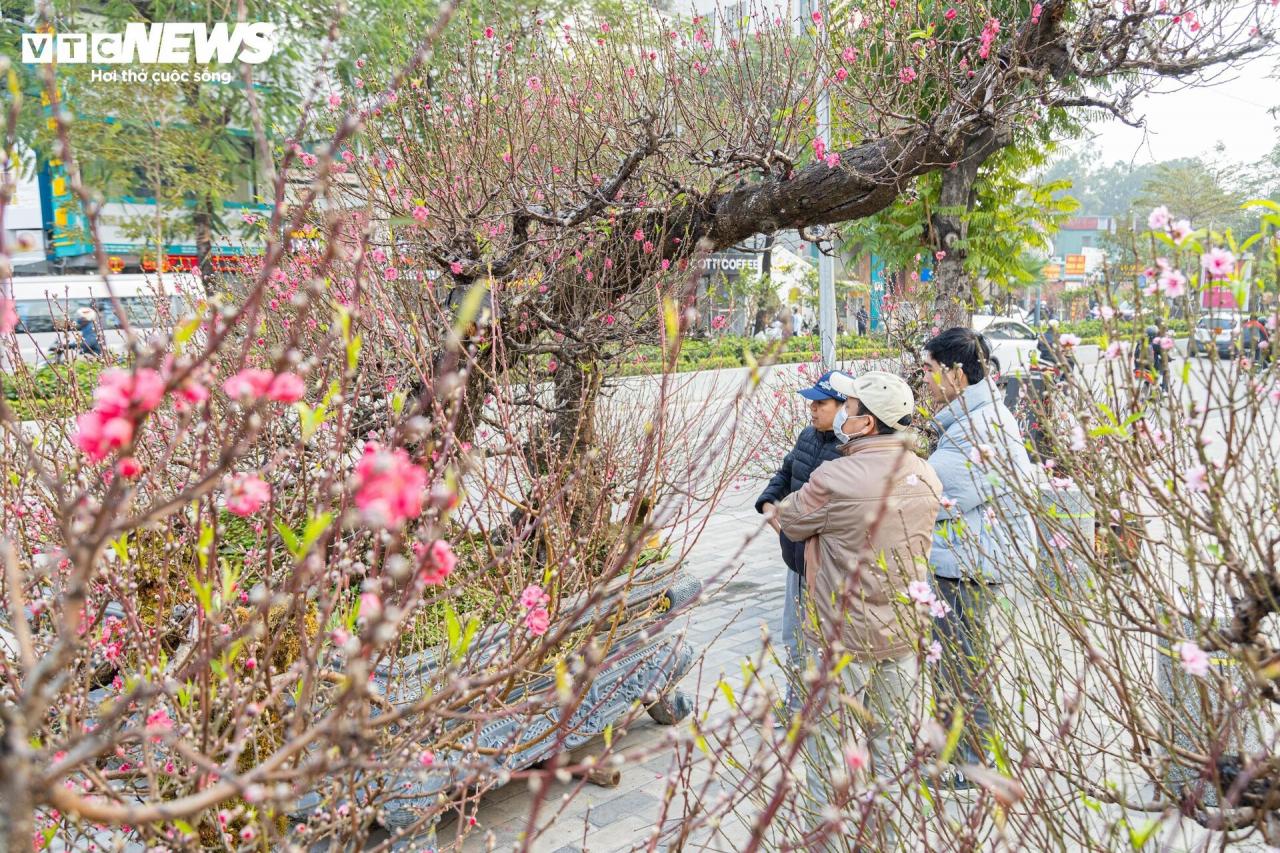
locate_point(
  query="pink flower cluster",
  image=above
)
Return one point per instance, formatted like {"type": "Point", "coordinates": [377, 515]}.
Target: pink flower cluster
{"type": "Point", "coordinates": [389, 487]}
{"type": "Point", "coordinates": [120, 398]}
{"type": "Point", "coordinates": [438, 561]}
{"type": "Point", "coordinates": [534, 600]}
{"type": "Point", "coordinates": [252, 383]}
{"type": "Point", "coordinates": [922, 594]}
{"type": "Point", "coordinates": [1219, 263]}
{"type": "Point", "coordinates": [1159, 219]}
{"type": "Point", "coordinates": [8, 316]}
{"type": "Point", "coordinates": [1194, 660]}
{"type": "Point", "coordinates": [246, 494]}
{"type": "Point", "coordinates": [989, 33]}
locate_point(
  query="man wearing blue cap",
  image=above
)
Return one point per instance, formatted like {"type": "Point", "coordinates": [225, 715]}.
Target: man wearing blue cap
{"type": "Point", "coordinates": [817, 444]}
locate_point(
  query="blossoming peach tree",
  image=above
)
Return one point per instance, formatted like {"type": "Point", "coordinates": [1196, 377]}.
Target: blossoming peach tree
{"type": "Point", "coordinates": [281, 580]}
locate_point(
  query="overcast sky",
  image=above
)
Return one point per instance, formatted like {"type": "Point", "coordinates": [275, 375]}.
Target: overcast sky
{"type": "Point", "coordinates": [1191, 121]}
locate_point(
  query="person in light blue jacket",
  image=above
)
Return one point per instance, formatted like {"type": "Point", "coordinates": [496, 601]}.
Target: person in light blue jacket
{"type": "Point", "coordinates": [981, 533]}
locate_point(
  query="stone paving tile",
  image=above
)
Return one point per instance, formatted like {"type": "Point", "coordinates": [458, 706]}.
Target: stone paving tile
{"type": "Point", "coordinates": [633, 803]}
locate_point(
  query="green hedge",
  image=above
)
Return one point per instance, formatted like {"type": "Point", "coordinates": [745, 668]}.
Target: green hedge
{"type": "Point", "coordinates": [1095, 329]}
{"type": "Point", "coordinates": [42, 393]}
{"type": "Point", "coordinates": [729, 352]}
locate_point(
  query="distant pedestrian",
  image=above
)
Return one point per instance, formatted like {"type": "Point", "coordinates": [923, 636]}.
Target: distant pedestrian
{"type": "Point", "coordinates": [816, 444]}
{"type": "Point", "coordinates": [1151, 364]}
{"type": "Point", "coordinates": [1253, 339]}
{"type": "Point", "coordinates": [981, 530]}
{"type": "Point", "coordinates": [86, 328]}
{"type": "Point", "coordinates": [862, 319]}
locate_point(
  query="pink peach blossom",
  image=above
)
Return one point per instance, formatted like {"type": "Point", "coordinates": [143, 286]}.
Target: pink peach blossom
{"type": "Point", "coordinates": [129, 467]}
{"type": "Point", "coordinates": [1194, 660]}
{"type": "Point", "coordinates": [286, 388]}
{"type": "Point", "coordinates": [370, 605]}
{"type": "Point", "coordinates": [390, 488]}
{"type": "Point", "coordinates": [443, 561]}
{"type": "Point", "coordinates": [857, 757]}
{"type": "Point", "coordinates": [935, 652]}
{"type": "Point", "coordinates": [120, 390]}
{"type": "Point", "coordinates": [249, 383]}
{"type": "Point", "coordinates": [537, 621]}
{"type": "Point", "coordinates": [1219, 263]}
{"type": "Point", "coordinates": [98, 435]}
{"type": "Point", "coordinates": [246, 494]}
{"type": "Point", "coordinates": [534, 596]}
{"type": "Point", "coordinates": [8, 316]}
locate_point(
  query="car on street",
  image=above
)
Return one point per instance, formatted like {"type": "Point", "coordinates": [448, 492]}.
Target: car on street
{"type": "Point", "coordinates": [1014, 345]}
{"type": "Point", "coordinates": [1217, 332]}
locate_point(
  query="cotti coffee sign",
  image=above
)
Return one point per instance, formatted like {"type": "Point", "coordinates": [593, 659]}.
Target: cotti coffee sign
{"type": "Point", "coordinates": [733, 262]}
{"type": "Point", "coordinates": [154, 44]}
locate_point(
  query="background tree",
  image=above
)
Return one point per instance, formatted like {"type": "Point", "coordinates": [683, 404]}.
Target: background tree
{"type": "Point", "coordinates": [1008, 217]}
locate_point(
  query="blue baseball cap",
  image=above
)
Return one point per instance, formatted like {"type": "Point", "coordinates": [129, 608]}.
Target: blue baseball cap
{"type": "Point", "coordinates": [822, 390]}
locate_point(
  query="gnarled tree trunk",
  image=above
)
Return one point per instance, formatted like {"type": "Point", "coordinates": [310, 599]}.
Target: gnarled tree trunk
{"type": "Point", "coordinates": [953, 284]}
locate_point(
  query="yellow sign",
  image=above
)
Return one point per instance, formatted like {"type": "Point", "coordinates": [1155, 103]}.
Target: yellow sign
{"type": "Point", "coordinates": [1052, 272]}
{"type": "Point", "coordinates": [1075, 264]}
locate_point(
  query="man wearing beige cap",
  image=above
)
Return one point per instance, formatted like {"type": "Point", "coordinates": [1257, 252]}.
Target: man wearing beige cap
{"type": "Point", "coordinates": [868, 519]}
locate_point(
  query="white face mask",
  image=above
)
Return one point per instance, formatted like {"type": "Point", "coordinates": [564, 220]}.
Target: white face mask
{"type": "Point", "coordinates": [841, 416]}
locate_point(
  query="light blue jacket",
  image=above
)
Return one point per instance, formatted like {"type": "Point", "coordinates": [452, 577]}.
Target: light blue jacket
{"type": "Point", "coordinates": [980, 530]}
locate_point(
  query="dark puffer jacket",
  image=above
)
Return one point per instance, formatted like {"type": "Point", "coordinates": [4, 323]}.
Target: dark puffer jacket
{"type": "Point", "coordinates": [811, 450]}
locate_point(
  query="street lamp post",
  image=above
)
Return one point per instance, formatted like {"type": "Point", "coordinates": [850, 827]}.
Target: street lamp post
{"type": "Point", "coordinates": [826, 263]}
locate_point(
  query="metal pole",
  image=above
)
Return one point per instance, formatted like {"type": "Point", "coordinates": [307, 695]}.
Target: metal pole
{"type": "Point", "coordinates": [826, 263]}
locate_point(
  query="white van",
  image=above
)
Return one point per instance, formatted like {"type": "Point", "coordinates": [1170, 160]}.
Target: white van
{"type": "Point", "coordinates": [47, 307]}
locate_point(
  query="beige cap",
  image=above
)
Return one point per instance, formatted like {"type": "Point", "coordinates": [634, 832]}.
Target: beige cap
{"type": "Point", "coordinates": [885, 395]}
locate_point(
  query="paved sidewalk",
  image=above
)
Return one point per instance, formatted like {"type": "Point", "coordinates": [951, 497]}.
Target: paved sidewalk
{"type": "Point", "coordinates": [726, 627]}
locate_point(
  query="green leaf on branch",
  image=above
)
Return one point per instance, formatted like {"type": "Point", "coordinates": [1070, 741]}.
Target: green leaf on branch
{"type": "Point", "coordinates": [1139, 837]}
{"type": "Point", "coordinates": [727, 690]}
{"type": "Point", "coordinates": [290, 539]}
{"type": "Point", "coordinates": [310, 419]}
{"type": "Point", "coordinates": [203, 593]}
{"type": "Point", "coordinates": [953, 736]}
{"type": "Point", "coordinates": [470, 308]}
{"type": "Point", "coordinates": [203, 544]}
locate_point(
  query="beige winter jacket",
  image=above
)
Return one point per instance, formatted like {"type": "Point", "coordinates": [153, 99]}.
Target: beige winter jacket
{"type": "Point", "coordinates": [868, 518]}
